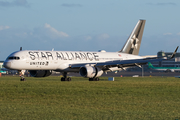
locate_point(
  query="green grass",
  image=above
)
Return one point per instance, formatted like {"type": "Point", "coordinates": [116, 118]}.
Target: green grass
{"type": "Point", "coordinates": [125, 98]}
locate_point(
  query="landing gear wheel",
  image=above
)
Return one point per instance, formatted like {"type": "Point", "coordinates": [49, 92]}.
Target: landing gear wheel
{"type": "Point", "coordinates": [65, 79]}
{"type": "Point", "coordinates": [97, 79]}
{"type": "Point", "coordinates": [94, 79]}
{"type": "Point", "coordinates": [22, 79]}
{"type": "Point", "coordinates": [68, 79]}
{"type": "Point", "coordinates": [91, 79]}
{"type": "Point", "coordinates": [62, 79]}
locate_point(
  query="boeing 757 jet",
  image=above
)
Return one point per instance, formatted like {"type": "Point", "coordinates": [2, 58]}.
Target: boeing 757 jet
{"type": "Point", "coordinates": [89, 64]}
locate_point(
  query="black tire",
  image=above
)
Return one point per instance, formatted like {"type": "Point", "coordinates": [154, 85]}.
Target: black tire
{"type": "Point", "coordinates": [62, 79]}
{"type": "Point", "coordinates": [22, 79]}
{"type": "Point", "coordinates": [68, 79]}
{"type": "Point", "coordinates": [97, 79]}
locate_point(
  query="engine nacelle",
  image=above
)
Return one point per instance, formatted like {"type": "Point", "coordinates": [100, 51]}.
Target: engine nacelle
{"type": "Point", "coordinates": [40, 73]}
{"type": "Point", "coordinates": [90, 71]}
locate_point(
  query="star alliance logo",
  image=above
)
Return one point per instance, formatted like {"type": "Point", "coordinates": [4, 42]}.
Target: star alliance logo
{"type": "Point", "coordinates": [134, 42]}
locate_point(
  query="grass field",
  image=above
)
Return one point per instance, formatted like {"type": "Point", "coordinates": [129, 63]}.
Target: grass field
{"type": "Point", "coordinates": [125, 98]}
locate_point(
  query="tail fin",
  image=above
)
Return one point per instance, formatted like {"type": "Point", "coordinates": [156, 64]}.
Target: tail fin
{"type": "Point", "coordinates": [150, 65]}
{"type": "Point", "coordinates": [133, 43]}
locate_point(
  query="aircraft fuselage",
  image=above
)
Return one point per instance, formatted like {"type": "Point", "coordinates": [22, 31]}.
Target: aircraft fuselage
{"type": "Point", "coordinates": [60, 60]}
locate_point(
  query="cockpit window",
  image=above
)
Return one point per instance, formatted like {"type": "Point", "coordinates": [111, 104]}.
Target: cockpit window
{"type": "Point", "coordinates": [14, 58]}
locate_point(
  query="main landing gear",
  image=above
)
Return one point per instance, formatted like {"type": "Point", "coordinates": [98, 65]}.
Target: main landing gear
{"type": "Point", "coordinates": [65, 78]}
{"type": "Point", "coordinates": [94, 79]}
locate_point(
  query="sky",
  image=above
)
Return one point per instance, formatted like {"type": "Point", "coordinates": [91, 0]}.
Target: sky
{"type": "Point", "coordinates": [87, 25]}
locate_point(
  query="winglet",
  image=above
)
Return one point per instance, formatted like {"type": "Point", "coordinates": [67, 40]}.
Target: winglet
{"type": "Point", "coordinates": [173, 55]}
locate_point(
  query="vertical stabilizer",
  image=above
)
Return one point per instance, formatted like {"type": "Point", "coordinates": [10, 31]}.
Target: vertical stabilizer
{"type": "Point", "coordinates": [133, 43]}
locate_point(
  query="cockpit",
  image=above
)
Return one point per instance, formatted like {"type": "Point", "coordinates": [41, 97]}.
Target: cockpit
{"type": "Point", "coordinates": [13, 58]}
{"type": "Point", "coordinates": [15, 61]}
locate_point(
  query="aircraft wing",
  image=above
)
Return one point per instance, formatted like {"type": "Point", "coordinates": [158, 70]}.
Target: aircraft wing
{"type": "Point", "coordinates": [118, 63]}
{"type": "Point", "coordinates": [122, 63]}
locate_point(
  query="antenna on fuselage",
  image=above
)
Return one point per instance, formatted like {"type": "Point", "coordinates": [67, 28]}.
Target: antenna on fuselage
{"type": "Point", "coordinates": [20, 48]}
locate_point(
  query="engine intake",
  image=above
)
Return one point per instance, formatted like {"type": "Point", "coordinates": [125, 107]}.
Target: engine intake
{"type": "Point", "coordinates": [90, 71]}
{"type": "Point", "coordinates": [40, 73]}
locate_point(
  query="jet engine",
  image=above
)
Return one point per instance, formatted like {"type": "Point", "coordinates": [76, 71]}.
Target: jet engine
{"type": "Point", "coordinates": [90, 71]}
{"type": "Point", "coordinates": [40, 73]}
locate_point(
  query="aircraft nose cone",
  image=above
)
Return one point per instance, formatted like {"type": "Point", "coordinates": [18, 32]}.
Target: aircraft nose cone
{"type": "Point", "coordinates": [7, 65]}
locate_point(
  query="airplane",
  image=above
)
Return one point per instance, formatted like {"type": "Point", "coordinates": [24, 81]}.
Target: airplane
{"type": "Point", "coordinates": [89, 64]}
{"type": "Point", "coordinates": [165, 69]}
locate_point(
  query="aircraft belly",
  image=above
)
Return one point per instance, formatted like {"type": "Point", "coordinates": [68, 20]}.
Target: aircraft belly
{"type": "Point", "coordinates": [67, 70]}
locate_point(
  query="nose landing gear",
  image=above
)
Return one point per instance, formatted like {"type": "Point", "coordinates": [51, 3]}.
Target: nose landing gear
{"type": "Point", "coordinates": [22, 75]}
